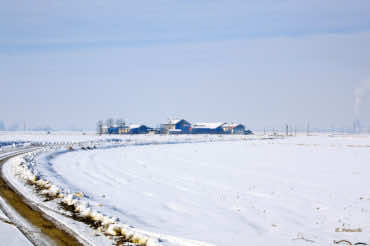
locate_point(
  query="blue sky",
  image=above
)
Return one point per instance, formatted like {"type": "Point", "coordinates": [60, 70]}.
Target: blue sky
{"type": "Point", "coordinates": [263, 63]}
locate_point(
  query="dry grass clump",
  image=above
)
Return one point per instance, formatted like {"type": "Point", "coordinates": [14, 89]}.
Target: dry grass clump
{"type": "Point", "coordinates": [97, 222]}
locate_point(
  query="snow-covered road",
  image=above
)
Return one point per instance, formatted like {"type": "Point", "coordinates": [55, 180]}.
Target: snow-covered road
{"type": "Point", "coordinates": [20, 222]}
{"type": "Point", "coordinates": [9, 233]}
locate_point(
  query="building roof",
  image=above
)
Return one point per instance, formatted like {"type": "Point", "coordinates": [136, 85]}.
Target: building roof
{"type": "Point", "coordinates": [208, 125]}
{"type": "Point", "coordinates": [174, 122]}
{"type": "Point", "coordinates": [135, 126]}
{"type": "Point", "coordinates": [232, 125]}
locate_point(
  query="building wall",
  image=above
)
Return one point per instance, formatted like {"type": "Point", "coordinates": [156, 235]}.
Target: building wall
{"type": "Point", "coordinates": [140, 130]}
{"type": "Point", "coordinates": [113, 130]}
{"type": "Point", "coordinates": [218, 130]}
{"type": "Point", "coordinates": [184, 126]}
{"type": "Point", "coordinates": [238, 130]}
{"type": "Point", "coordinates": [124, 131]}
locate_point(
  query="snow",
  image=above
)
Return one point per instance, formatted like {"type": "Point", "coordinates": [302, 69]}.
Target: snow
{"type": "Point", "coordinates": [135, 126]}
{"type": "Point", "coordinates": [9, 234]}
{"type": "Point", "coordinates": [236, 191]}
{"type": "Point", "coordinates": [89, 137]}
{"type": "Point", "coordinates": [13, 167]}
{"type": "Point", "coordinates": [175, 121]}
{"type": "Point", "coordinates": [25, 168]}
{"type": "Point", "coordinates": [52, 138]}
{"type": "Point", "coordinates": [212, 125]}
{"type": "Point", "coordinates": [232, 125]}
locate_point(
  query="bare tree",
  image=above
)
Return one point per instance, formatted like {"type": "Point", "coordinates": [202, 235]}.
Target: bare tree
{"type": "Point", "coordinates": [109, 122]}
{"type": "Point", "coordinates": [99, 127]}
{"type": "Point", "coordinates": [120, 123]}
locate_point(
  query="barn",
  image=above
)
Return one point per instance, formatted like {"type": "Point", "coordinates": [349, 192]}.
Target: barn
{"type": "Point", "coordinates": [234, 128]}
{"type": "Point", "coordinates": [138, 129]}
{"type": "Point", "coordinates": [176, 126]}
{"type": "Point", "coordinates": [113, 130]}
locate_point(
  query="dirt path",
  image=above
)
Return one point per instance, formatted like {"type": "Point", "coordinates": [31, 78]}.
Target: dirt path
{"type": "Point", "coordinates": [49, 230]}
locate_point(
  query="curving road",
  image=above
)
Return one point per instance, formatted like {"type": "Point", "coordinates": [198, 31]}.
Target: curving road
{"type": "Point", "coordinates": [38, 228]}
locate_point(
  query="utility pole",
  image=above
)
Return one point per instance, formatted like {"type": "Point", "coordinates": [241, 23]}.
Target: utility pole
{"type": "Point", "coordinates": [286, 130]}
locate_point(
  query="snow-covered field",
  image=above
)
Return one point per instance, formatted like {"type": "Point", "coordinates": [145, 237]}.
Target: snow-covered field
{"type": "Point", "coordinates": [89, 137]}
{"type": "Point", "coordinates": [233, 191]}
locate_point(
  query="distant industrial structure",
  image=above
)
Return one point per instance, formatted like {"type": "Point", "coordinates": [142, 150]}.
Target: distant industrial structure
{"type": "Point", "coordinates": [177, 126]}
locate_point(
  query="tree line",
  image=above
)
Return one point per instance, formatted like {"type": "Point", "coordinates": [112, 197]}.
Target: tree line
{"type": "Point", "coordinates": [110, 122]}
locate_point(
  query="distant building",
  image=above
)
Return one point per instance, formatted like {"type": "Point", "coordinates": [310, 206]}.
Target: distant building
{"type": "Point", "coordinates": [113, 130]}
{"type": "Point", "coordinates": [138, 129]}
{"type": "Point", "coordinates": [234, 128]}
{"type": "Point", "coordinates": [176, 127]}
{"type": "Point", "coordinates": [175, 131]}
{"type": "Point", "coordinates": [208, 128]}
{"type": "Point", "coordinates": [124, 130]}
{"type": "Point", "coordinates": [104, 129]}
{"type": "Point", "coordinates": [153, 131]}
{"type": "Point", "coordinates": [248, 132]}
{"type": "Point", "coordinates": [179, 126]}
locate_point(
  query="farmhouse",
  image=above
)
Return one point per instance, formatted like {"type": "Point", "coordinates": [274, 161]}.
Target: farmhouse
{"type": "Point", "coordinates": [138, 129]}
{"type": "Point", "coordinates": [234, 128]}
{"type": "Point", "coordinates": [208, 128]}
{"type": "Point", "coordinates": [176, 127]}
